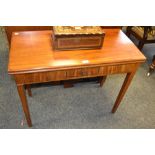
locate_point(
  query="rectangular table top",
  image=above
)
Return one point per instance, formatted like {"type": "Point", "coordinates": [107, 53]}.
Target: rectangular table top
{"type": "Point", "coordinates": [31, 51]}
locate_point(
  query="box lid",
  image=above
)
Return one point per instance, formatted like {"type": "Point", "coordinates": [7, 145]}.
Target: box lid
{"type": "Point", "coordinates": [74, 30]}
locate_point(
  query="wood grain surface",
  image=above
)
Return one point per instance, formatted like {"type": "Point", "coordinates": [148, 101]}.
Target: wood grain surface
{"type": "Point", "coordinates": [32, 51]}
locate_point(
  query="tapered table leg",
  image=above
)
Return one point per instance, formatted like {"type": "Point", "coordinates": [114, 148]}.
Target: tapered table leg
{"type": "Point", "coordinates": [22, 95]}
{"type": "Point", "coordinates": [102, 80]}
{"type": "Point", "coordinates": [28, 87]}
{"type": "Point", "coordinates": [124, 88]}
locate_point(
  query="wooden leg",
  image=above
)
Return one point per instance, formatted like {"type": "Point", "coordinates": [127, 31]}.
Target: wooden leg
{"type": "Point", "coordinates": [102, 80]}
{"type": "Point", "coordinates": [124, 88]}
{"type": "Point", "coordinates": [128, 31]}
{"type": "Point", "coordinates": [28, 87]}
{"type": "Point", "coordinates": [68, 84]}
{"type": "Point", "coordinates": [22, 95]}
{"type": "Point", "coordinates": [140, 45]}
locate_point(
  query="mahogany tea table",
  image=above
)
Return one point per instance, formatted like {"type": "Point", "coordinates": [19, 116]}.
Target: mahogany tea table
{"type": "Point", "coordinates": [33, 60]}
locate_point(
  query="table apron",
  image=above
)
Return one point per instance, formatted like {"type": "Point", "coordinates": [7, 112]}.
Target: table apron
{"type": "Point", "coordinates": [47, 76]}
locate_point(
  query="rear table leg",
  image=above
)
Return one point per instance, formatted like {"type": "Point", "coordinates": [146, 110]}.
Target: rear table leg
{"type": "Point", "coordinates": [102, 80]}
{"type": "Point", "coordinates": [28, 87]}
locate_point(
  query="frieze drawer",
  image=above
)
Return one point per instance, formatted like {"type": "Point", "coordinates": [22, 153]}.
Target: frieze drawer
{"type": "Point", "coordinates": [82, 72]}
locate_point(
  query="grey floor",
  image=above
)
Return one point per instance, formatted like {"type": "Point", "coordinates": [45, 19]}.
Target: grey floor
{"type": "Point", "coordinates": [84, 106]}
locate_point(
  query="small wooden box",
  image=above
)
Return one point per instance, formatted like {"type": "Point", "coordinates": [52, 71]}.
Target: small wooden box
{"type": "Point", "coordinates": [77, 37]}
